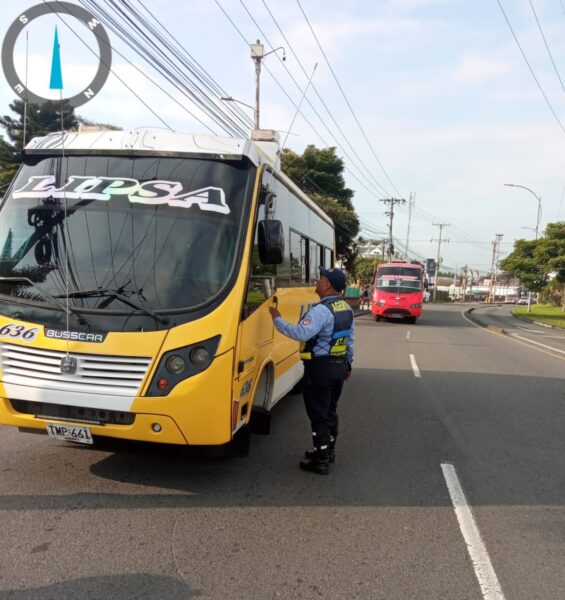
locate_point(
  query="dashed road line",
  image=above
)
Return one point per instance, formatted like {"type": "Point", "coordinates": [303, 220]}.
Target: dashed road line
{"type": "Point", "coordinates": [486, 576]}
{"type": "Point", "coordinates": [407, 335]}
{"type": "Point", "coordinates": [414, 366]}
{"type": "Point", "coordinates": [538, 344]}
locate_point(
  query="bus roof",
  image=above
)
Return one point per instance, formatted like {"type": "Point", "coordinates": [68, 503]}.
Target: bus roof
{"type": "Point", "coordinates": [151, 142]}
{"type": "Point", "coordinates": [401, 263]}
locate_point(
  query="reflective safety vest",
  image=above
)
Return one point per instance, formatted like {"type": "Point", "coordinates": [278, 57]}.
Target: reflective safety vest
{"type": "Point", "coordinates": [343, 321]}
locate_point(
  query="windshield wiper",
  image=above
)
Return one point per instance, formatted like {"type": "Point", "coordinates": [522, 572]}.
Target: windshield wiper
{"type": "Point", "coordinates": [108, 293]}
{"type": "Point", "coordinates": [67, 310]}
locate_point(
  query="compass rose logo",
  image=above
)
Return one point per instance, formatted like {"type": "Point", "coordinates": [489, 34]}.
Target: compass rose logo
{"type": "Point", "coordinates": [85, 19]}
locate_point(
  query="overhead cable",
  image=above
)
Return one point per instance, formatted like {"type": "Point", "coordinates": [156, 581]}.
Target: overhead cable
{"type": "Point", "coordinates": [334, 120]}
{"type": "Point", "coordinates": [61, 18]}
{"type": "Point", "coordinates": [126, 23]}
{"type": "Point", "coordinates": [547, 47]}
{"type": "Point", "coordinates": [531, 69]}
{"type": "Point", "coordinates": [347, 100]}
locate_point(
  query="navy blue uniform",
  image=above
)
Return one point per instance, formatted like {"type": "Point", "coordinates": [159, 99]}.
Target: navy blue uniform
{"type": "Point", "coordinates": [327, 335]}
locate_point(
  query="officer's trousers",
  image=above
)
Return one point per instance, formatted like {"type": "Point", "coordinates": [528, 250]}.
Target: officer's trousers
{"type": "Point", "coordinates": [322, 385]}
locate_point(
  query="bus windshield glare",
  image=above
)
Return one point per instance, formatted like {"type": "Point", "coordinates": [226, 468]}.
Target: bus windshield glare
{"type": "Point", "coordinates": [163, 232]}
{"type": "Point", "coordinates": [399, 280]}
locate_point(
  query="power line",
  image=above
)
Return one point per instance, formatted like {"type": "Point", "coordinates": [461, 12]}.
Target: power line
{"type": "Point", "coordinates": [347, 100]}
{"type": "Point", "coordinates": [531, 69]}
{"type": "Point", "coordinates": [322, 121]}
{"type": "Point", "coordinates": [283, 90]}
{"type": "Point", "coordinates": [547, 47]}
{"type": "Point", "coordinates": [334, 120]}
{"type": "Point", "coordinates": [213, 85]}
{"type": "Point", "coordinates": [59, 16]}
{"type": "Point", "coordinates": [136, 32]}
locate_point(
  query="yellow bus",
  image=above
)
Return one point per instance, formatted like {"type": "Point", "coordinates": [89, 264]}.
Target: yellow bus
{"type": "Point", "coordinates": [136, 269]}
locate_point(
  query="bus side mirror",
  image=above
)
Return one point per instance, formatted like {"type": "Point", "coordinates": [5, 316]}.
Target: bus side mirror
{"type": "Point", "coordinates": [271, 242]}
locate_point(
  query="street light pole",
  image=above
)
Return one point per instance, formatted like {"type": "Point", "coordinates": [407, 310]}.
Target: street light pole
{"type": "Point", "coordinates": [538, 198]}
{"type": "Point", "coordinates": [258, 54]}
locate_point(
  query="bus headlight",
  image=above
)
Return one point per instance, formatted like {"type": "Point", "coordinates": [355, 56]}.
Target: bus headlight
{"type": "Point", "coordinates": [180, 364]}
{"type": "Point", "coordinates": [415, 306]}
{"type": "Point", "coordinates": [381, 302]}
{"type": "Point", "coordinates": [175, 364]}
{"type": "Point", "coordinates": [200, 357]}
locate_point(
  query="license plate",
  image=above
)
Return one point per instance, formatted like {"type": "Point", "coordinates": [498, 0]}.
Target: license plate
{"type": "Point", "coordinates": [70, 433]}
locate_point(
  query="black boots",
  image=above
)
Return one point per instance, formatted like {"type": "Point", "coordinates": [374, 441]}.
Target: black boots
{"type": "Point", "coordinates": [331, 452]}
{"type": "Point", "coordinates": [319, 460]}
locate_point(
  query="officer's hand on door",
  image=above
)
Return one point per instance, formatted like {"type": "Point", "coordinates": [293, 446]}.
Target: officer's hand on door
{"type": "Point", "coordinates": [274, 312]}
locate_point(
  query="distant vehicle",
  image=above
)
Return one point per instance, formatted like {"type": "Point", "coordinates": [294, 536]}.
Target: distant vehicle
{"type": "Point", "coordinates": [522, 301]}
{"type": "Point", "coordinates": [398, 291]}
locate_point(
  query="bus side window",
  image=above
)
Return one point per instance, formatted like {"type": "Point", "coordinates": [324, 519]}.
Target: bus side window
{"type": "Point", "coordinates": [298, 258]}
{"type": "Point", "coordinates": [261, 284]}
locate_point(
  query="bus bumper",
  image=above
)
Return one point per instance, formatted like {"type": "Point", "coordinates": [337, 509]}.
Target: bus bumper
{"type": "Point", "coordinates": [197, 411]}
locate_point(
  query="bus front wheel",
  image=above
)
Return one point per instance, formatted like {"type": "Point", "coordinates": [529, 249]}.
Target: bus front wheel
{"type": "Point", "coordinates": [378, 318]}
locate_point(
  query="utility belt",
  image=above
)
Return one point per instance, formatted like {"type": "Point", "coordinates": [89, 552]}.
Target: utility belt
{"type": "Point", "coordinates": [340, 360]}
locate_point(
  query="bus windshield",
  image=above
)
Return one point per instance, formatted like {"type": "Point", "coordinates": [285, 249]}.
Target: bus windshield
{"type": "Point", "coordinates": [399, 280]}
{"type": "Point", "coordinates": [164, 233]}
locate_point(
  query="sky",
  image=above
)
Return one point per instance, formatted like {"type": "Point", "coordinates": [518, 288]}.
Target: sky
{"type": "Point", "coordinates": [425, 97]}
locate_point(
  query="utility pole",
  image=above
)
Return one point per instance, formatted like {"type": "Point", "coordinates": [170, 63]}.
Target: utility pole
{"type": "Point", "coordinates": [464, 282]}
{"type": "Point", "coordinates": [492, 286]}
{"type": "Point", "coordinates": [499, 237]}
{"type": "Point", "coordinates": [411, 204]}
{"type": "Point", "coordinates": [258, 54]}
{"type": "Point", "coordinates": [390, 214]}
{"type": "Point", "coordinates": [441, 226]}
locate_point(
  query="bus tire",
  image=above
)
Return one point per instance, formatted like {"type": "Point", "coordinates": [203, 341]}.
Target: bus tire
{"type": "Point", "coordinates": [260, 419]}
{"type": "Point", "coordinates": [378, 318]}
{"type": "Point", "coordinates": [411, 320]}
{"type": "Point", "coordinates": [239, 446]}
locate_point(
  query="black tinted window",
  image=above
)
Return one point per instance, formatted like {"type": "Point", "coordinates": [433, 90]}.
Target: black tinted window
{"type": "Point", "coordinates": [162, 231]}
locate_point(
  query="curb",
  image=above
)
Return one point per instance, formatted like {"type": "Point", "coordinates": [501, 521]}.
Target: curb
{"type": "Point", "coordinates": [493, 328]}
{"type": "Point", "coordinates": [533, 321]}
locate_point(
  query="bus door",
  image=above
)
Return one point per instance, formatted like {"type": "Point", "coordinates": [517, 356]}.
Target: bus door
{"type": "Point", "coordinates": [256, 329]}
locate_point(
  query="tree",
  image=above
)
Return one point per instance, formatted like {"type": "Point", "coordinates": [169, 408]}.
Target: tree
{"type": "Point", "coordinates": [319, 173]}
{"type": "Point", "coordinates": [365, 267]}
{"type": "Point", "coordinates": [41, 120]}
{"type": "Point", "coordinates": [540, 264]}
{"type": "Point", "coordinates": [85, 123]}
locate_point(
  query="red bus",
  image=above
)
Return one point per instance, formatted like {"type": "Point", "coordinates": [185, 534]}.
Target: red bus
{"type": "Point", "coordinates": [398, 291]}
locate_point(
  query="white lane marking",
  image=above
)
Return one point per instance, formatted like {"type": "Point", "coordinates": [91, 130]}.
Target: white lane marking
{"type": "Point", "coordinates": [414, 366]}
{"type": "Point", "coordinates": [538, 343]}
{"type": "Point", "coordinates": [530, 330]}
{"type": "Point", "coordinates": [407, 335]}
{"type": "Point", "coordinates": [490, 586]}
{"type": "Point", "coordinates": [512, 337]}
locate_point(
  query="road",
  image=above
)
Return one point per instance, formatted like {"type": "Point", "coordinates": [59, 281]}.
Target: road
{"type": "Point", "coordinates": [134, 522]}
{"type": "Point", "coordinates": [549, 339]}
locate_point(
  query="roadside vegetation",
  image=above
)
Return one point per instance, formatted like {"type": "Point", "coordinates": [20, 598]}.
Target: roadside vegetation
{"type": "Point", "coordinates": [543, 313]}
{"type": "Point", "coordinates": [540, 265]}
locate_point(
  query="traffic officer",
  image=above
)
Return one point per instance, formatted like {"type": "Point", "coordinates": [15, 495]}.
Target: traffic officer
{"type": "Point", "coordinates": [326, 334]}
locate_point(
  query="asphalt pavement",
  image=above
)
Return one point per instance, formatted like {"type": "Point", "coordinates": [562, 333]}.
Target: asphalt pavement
{"type": "Point", "coordinates": [499, 318]}
{"type": "Point", "coordinates": [426, 401]}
